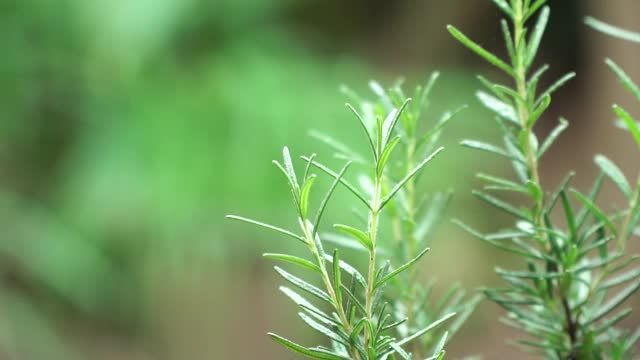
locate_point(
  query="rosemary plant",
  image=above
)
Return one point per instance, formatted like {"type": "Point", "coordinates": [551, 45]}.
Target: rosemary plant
{"type": "Point", "coordinates": [565, 296]}
{"type": "Point", "coordinates": [412, 216]}
{"type": "Point", "coordinates": [350, 307]}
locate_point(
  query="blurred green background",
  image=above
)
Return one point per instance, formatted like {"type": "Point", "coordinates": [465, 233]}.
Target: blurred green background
{"type": "Point", "coordinates": [128, 128]}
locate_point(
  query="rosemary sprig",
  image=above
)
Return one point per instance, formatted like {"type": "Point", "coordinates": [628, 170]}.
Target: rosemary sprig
{"type": "Point", "coordinates": [560, 297]}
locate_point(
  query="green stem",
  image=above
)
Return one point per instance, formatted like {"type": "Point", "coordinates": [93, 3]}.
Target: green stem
{"type": "Point", "coordinates": [523, 110]}
{"type": "Point", "coordinates": [374, 218]}
{"type": "Point", "coordinates": [531, 159]}
{"type": "Point", "coordinates": [327, 283]}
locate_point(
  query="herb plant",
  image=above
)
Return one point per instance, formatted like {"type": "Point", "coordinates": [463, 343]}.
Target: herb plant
{"type": "Point", "coordinates": [354, 310]}
{"type": "Point", "coordinates": [575, 274]}
{"type": "Point", "coordinates": [413, 215]}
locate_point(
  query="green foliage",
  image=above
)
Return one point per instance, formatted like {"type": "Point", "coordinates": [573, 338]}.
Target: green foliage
{"type": "Point", "coordinates": [383, 313]}
{"type": "Point", "coordinates": [569, 293]}
{"type": "Point", "coordinates": [414, 216]}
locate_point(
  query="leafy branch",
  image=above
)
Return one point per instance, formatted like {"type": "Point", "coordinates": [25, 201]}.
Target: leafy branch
{"type": "Point", "coordinates": [413, 217]}
{"type": "Point", "coordinates": [560, 297]}
{"type": "Point", "coordinates": [354, 315]}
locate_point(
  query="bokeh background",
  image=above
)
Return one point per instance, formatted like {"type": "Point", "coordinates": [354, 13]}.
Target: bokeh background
{"type": "Point", "coordinates": [129, 128]}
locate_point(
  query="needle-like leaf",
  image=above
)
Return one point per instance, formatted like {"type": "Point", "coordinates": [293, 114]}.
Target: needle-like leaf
{"type": "Point", "coordinates": [612, 30]}
{"type": "Point", "coordinates": [593, 208]}
{"type": "Point", "coordinates": [267, 226]}
{"type": "Point", "coordinates": [615, 174]}
{"type": "Point", "coordinates": [536, 36]}
{"type": "Point", "coordinates": [630, 123]}
{"type": "Point", "coordinates": [356, 234]}
{"type": "Point", "coordinates": [413, 172]}
{"type": "Point", "coordinates": [624, 78]}
{"type": "Point", "coordinates": [294, 260]}
{"type": "Point", "coordinates": [365, 129]}
{"type": "Point", "coordinates": [400, 269]}
{"type": "Point", "coordinates": [309, 352]}
{"type": "Point", "coordinates": [325, 201]}
{"type": "Point", "coordinates": [479, 50]}
{"type": "Point", "coordinates": [340, 179]}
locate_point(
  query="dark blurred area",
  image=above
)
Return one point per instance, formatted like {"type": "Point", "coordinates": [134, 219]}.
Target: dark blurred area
{"type": "Point", "coordinates": [129, 128]}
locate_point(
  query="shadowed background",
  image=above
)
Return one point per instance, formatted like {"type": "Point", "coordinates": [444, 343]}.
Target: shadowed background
{"type": "Point", "coordinates": [129, 128]}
